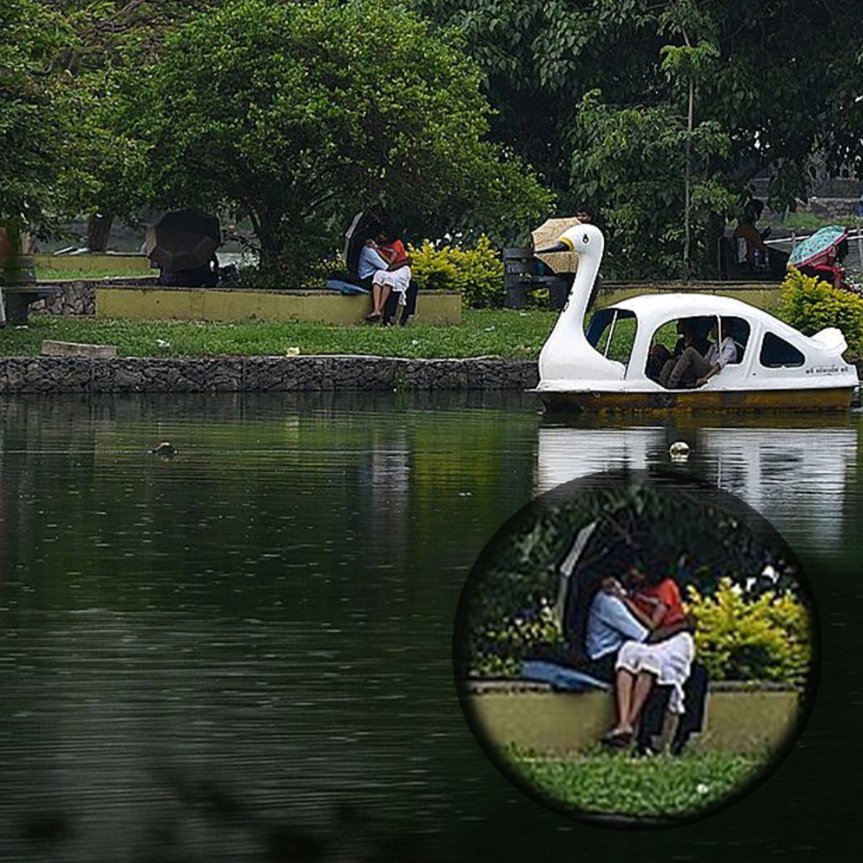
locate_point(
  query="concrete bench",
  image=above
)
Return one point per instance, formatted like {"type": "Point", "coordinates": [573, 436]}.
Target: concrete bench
{"type": "Point", "coordinates": [740, 717]}
{"type": "Point", "coordinates": [18, 299]}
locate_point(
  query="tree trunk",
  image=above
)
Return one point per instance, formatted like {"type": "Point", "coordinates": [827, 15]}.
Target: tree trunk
{"type": "Point", "coordinates": [715, 231]}
{"type": "Point", "coordinates": [98, 229]}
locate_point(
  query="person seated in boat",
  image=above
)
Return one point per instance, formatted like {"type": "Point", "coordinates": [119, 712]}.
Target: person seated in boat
{"type": "Point", "coordinates": [663, 658]}
{"type": "Point", "coordinates": [703, 367]}
{"type": "Point", "coordinates": [689, 335]}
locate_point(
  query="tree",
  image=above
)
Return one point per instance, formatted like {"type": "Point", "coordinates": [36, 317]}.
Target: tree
{"type": "Point", "coordinates": [35, 125]}
{"type": "Point", "coordinates": [291, 114]}
{"type": "Point", "coordinates": [102, 39]}
{"type": "Point", "coordinates": [735, 90]}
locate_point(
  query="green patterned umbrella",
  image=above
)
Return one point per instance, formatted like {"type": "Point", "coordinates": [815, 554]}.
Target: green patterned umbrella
{"type": "Point", "coordinates": [817, 245]}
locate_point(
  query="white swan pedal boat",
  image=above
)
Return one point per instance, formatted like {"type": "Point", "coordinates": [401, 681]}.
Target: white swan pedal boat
{"type": "Point", "coordinates": [605, 368]}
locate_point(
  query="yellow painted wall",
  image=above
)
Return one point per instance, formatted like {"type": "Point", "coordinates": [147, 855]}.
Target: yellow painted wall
{"type": "Point", "coordinates": [563, 722]}
{"type": "Point", "coordinates": [213, 304]}
{"type": "Point", "coordinates": [121, 264]}
{"type": "Point", "coordinates": [762, 295]}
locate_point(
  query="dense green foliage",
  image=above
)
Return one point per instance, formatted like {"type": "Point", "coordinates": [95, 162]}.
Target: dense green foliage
{"type": "Point", "coordinates": [476, 273]}
{"type": "Point", "coordinates": [655, 115]}
{"type": "Point", "coordinates": [615, 100]}
{"type": "Point", "coordinates": [36, 125]}
{"type": "Point", "coordinates": [517, 335]}
{"type": "Point", "coordinates": [292, 115]}
{"type": "Point", "coordinates": [811, 304]}
{"type": "Point", "coordinates": [765, 638]}
{"type": "Point", "coordinates": [656, 787]}
{"type": "Point", "coordinates": [511, 599]}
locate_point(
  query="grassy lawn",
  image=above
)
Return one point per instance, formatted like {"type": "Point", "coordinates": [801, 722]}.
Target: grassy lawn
{"type": "Point", "coordinates": [52, 267]}
{"type": "Point", "coordinates": [500, 333]}
{"type": "Point", "coordinates": [654, 787]}
{"type": "Point", "coordinates": [55, 274]}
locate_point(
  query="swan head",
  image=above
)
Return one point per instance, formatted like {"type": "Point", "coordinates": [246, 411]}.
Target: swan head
{"type": "Point", "coordinates": [581, 239]}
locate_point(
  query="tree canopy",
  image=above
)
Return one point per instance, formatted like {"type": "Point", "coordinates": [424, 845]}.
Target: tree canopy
{"type": "Point", "coordinates": [295, 115]}
{"type": "Point", "coordinates": [643, 111]}
{"type": "Point", "coordinates": [35, 123]}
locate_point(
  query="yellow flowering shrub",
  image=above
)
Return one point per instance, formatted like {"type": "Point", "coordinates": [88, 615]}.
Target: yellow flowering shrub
{"type": "Point", "coordinates": [477, 273]}
{"type": "Point", "coordinates": [766, 638]}
{"type": "Point", "coordinates": [810, 305]}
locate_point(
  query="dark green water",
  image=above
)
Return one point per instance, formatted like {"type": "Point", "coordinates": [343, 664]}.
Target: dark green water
{"type": "Point", "coordinates": [244, 653]}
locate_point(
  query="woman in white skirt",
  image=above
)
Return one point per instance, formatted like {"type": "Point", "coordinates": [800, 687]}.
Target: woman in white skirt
{"type": "Point", "coordinates": [665, 659]}
{"type": "Point", "coordinates": [395, 279]}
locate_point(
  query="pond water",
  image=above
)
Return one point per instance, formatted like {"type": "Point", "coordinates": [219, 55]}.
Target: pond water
{"type": "Point", "coordinates": [243, 653]}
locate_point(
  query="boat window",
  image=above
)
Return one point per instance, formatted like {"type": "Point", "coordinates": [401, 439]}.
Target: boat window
{"type": "Point", "coordinates": [668, 341]}
{"type": "Point", "coordinates": [777, 353]}
{"type": "Point", "coordinates": [612, 333]}
{"type": "Point", "coordinates": [738, 329]}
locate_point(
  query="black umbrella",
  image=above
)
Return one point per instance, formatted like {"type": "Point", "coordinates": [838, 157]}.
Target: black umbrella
{"type": "Point", "coordinates": [364, 226]}
{"type": "Point", "coordinates": [183, 239]}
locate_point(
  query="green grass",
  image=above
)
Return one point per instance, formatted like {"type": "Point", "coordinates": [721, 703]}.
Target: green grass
{"type": "Point", "coordinates": [54, 267]}
{"type": "Point", "coordinates": [55, 274]}
{"type": "Point", "coordinates": [650, 787]}
{"type": "Point", "coordinates": [809, 221]}
{"type": "Point", "coordinates": [500, 333]}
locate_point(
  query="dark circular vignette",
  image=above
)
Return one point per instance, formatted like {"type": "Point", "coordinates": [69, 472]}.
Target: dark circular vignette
{"type": "Point", "coordinates": [759, 526]}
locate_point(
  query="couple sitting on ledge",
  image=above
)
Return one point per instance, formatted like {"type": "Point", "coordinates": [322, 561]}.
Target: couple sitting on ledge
{"type": "Point", "coordinates": [628, 629]}
{"type": "Point", "coordinates": [384, 269]}
{"type": "Point", "coordinates": [695, 359]}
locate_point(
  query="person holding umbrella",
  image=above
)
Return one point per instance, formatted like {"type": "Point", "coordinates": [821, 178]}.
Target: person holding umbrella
{"type": "Point", "coordinates": [829, 268]}
{"type": "Point", "coordinates": [820, 256]}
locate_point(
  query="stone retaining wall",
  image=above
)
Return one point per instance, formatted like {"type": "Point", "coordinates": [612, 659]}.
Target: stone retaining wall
{"type": "Point", "coordinates": [79, 297]}
{"type": "Point", "coordinates": [259, 374]}
{"type": "Point", "coordinates": [262, 374]}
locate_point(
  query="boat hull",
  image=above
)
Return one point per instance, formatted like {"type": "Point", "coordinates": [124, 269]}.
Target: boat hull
{"type": "Point", "coordinates": [689, 401]}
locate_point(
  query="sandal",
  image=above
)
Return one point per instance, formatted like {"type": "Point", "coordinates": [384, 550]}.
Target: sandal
{"type": "Point", "coordinates": [616, 739]}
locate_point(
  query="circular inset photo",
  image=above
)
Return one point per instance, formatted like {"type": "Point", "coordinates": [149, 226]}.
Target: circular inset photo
{"type": "Point", "coordinates": [636, 651]}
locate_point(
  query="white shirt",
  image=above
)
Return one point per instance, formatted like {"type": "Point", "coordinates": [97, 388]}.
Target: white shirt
{"type": "Point", "coordinates": [723, 353]}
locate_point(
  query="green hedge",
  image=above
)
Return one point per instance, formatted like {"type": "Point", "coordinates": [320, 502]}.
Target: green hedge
{"type": "Point", "coordinates": [810, 305]}
{"type": "Point", "coordinates": [737, 638]}
{"type": "Point", "coordinates": [767, 638]}
{"type": "Point", "coordinates": [477, 274]}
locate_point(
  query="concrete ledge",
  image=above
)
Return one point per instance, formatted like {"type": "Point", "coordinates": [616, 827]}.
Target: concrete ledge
{"type": "Point", "coordinates": [238, 304]}
{"type": "Point", "coordinates": [75, 349]}
{"type": "Point", "coordinates": [259, 374]}
{"type": "Point", "coordinates": [738, 719]}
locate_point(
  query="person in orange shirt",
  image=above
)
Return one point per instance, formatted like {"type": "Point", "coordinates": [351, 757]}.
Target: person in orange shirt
{"type": "Point", "coordinates": [666, 658]}
{"type": "Point", "coordinates": [396, 278]}
{"type": "Point", "coordinates": [392, 249]}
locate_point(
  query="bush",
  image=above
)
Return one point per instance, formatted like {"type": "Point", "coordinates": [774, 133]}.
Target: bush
{"type": "Point", "coordinates": [767, 638]}
{"type": "Point", "coordinates": [499, 649]}
{"type": "Point", "coordinates": [810, 305]}
{"type": "Point", "coordinates": [477, 274]}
